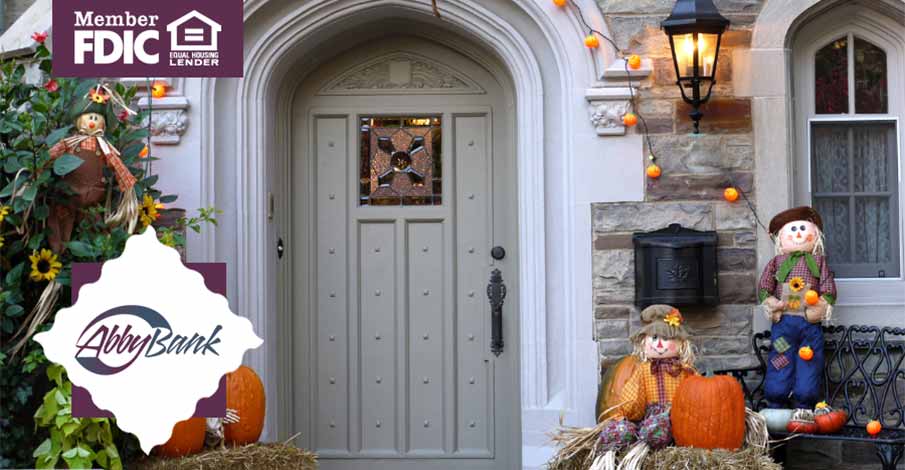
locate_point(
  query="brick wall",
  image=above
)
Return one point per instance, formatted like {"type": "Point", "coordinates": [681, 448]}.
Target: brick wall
{"type": "Point", "coordinates": [696, 170]}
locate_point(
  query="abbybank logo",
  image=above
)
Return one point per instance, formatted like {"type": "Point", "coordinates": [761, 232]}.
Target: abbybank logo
{"type": "Point", "coordinates": [198, 38]}
{"type": "Point", "coordinates": [148, 340]}
{"type": "Point", "coordinates": [114, 340]}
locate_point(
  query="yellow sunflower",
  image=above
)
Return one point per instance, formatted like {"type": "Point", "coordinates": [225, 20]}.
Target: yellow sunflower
{"type": "Point", "coordinates": [44, 265]}
{"type": "Point", "coordinates": [3, 211]}
{"type": "Point", "coordinates": [98, 96]}
{"type": "Point", "coordinates": [796, 284]}
{"type": "Point", "coordinates": [148, 211]}
{"type": "Point", "coordinates": [673, 318]}
{"type": "Point", "coordinates": [1, 241]}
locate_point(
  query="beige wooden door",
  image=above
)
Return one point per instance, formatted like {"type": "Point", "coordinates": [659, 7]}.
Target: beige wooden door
{"type": "Point", "coordinates": [408, 195]}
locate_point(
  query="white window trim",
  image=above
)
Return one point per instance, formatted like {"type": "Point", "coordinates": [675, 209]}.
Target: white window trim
{"type": "Point", "coordinates": [884, 33]}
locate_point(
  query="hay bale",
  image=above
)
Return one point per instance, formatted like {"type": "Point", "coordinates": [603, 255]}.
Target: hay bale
{"type": "Point", "coordinates": [252, 456]}
{"type": "Point", "coordinates": [676, 458]}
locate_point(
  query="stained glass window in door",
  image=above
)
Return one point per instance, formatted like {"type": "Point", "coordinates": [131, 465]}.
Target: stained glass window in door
{"type": "Point", "coordinates": [400, 161]}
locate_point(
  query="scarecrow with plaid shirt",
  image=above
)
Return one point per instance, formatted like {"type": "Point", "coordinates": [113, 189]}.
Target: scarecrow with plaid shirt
{"type": "Point", "coordinates": [642, 421]}
{"type": "Point", "coordinates": [797, 292]}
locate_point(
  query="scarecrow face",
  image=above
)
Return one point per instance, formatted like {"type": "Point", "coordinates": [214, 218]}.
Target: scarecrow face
{"type": "Point", "coordinates": [656, 347]}
{"type": "Point", "coordinates": [798, 235]}
{"type": "Point", "coordinates": [91, 122]}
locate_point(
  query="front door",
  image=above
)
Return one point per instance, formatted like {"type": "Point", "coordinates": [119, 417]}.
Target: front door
{"type": "Point", "coordinates": [408, 194]}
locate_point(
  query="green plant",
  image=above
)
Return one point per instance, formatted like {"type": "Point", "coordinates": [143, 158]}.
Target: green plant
{"type": "Point", "coordinates": [34, 115]}
{"type": "Point", "coordinates": [80, 442]}
{"type": "Point", "coordinates": [172, 236]}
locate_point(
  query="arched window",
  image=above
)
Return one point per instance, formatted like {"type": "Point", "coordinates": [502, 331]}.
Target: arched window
{"type": "Point", "coordinates": [847, 126]}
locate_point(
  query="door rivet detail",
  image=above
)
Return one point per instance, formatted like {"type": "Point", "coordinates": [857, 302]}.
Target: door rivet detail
{"type": "Point", "coordinates": [332, 380]}
{"type": "Point", "coordinates": [379, 380]}
{"type": "Point", "coordinates": [377, 336]}
{"type": "Point", "coordinates": [426, 292]}
{"type": "Point", "coordinates": [331, 251]}
{"type": "Point", "coordinates": [427, 423]}
{"type": "Point", "coordinates": [377, 250]}
{"type": "Point", "coordinates": [426, 337]}
{"type": "Point", "coordinates": [332, 196]}
{"type": "Point", "coordinates": [470, 337]}
{"type": "Point", "coordinates": [377, 292]}
{"type": "Point", "coordinates": [471, 380]}
{"type": "Point", "coordinates": [332, 424]}
{"type": "Point", "coordinates": [332, 338]}
{"type": "Point", "coordinates": [471, 293]}
{"type": "Point", "coordinates": [471, 196]}
{"type": "Point", "coordinates": [331, 144]}
{"type": "Point", "coordinates": [424, 249]}
{"type": "Point", "coordinates": [378, 423]}
{"type": "Point", "coordinates": [332, 294]}
{"type": "Point", "coordinates": [471, 424]}
{"type": "Point", "coordinates": [427, 380]}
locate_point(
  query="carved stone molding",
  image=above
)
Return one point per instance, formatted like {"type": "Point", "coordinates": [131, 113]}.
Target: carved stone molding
{"type": "Point", "coordinates": [168, 126]}
{"type": "Point", "coordinates": [401, 73]}
{"type": "Point", "coordinates": [609, 101]}
{"type": "Point", "coordinates": [606, 106]}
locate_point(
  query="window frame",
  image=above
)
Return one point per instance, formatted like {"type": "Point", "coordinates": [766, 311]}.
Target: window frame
{"type": "Point", "coordinates": [849, 21]}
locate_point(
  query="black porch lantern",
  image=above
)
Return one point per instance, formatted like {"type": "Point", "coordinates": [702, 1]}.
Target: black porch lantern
{"type": "Point", "coordinates": [694, 29]}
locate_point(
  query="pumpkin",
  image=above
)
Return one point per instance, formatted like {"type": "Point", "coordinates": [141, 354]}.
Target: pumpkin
{"type": "Point", "coordinates": [653, 171]}
{"type": "Point", "coordinates": [829, 422]}
{"type": "Point", "coordinates": [634, 61]}
{"type": "Point", "coordinates": [629, 119]}
{"type": "Point", "coordinates": [187, 439]}
{"type": "Point", "coordinates": [709, 413]}
{"type": "Point", "coordinates": [806, 353]}
{"type": "Point", "coordinates": [611, 385]}
{"type": "Point", "coordinates": [874, 427]}
{"type": "Point", "coordinates": [802, 427]}
{"type": "Point", "coordinates": [811, 297]}
{"type": "Point", "coordinates": [730, 194]}
{"type": "Point", "coordinates": [245, 394]}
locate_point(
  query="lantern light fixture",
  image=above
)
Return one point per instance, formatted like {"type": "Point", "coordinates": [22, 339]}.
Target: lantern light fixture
{"type": "Point", "coordinates": [695, 28]}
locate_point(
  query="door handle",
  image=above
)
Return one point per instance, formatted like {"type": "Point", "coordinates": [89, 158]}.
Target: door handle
{"type": "Point", "coordinates": [496, 294]}
{"type": "Point", "coordinates": [280, 248]}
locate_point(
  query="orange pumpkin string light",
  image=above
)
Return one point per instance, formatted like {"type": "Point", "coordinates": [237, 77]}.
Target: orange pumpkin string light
{"type": "Point", "coordinates": [653, 171]}
{"type": "Point", "coordinates": [630, 119]}
{"type": "Point", "coordinates": [730, 194]}
{"type": "Point", "coordinates": [159, 89]}
{"type": "Point", "coordinates": [559, 3]}
{"type": "Point", "coordinates": [874, 427]}
{"type": "Point", "coordinates": [591, 41]}
{"type": "Point", "coordinates": [806, 353]}
{"type": "Point", "coordinates": [634, 61]}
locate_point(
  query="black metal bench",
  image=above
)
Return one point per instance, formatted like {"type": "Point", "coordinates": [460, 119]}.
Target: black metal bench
{"type": "Point", "coordinates": [864, 374]}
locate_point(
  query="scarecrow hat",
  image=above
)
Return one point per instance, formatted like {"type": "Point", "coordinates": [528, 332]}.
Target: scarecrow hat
{"type": "Point", "coordinates": [791, 215]}
{"type": "Point", "coordinates": [661, 320]}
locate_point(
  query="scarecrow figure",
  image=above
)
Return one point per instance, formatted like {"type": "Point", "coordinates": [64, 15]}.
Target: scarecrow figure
{"type": "Point", "coordinates": [797, 292]}
{"type": "Point", "coordinates": [666, 358]}
{"type": "Point", "coordinates": [88, 181]}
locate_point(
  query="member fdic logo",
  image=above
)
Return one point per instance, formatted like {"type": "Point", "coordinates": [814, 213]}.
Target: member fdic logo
{"type": "Point", "coordinates": [200, 38]}
{"type": "Point", "coordinates": [148, 340]}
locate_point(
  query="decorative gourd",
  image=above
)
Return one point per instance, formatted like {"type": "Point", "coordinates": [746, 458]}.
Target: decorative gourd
{"type": "Point", "coordinates": [830, 421]}
{"type": "Point", "coordinates": [802, 427]}
{"type": "Point", "coordinates": [245, 394]}
{"type": "Point", "coordinates": [709, 413]}
{"type": "Point", "coordinates": [187, 439]}
{"type": "Point", "coordinates": [874, 427]}
{"type": "Point", "coordinates": [611, 385]}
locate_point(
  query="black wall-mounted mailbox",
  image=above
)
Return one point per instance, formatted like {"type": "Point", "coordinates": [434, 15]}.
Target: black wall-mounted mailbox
{"type": "Point", "coordinates": [676, 266]}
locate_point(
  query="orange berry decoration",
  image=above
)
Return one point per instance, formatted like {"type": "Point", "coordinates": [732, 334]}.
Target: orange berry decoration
{"type": "Point", "coordinates": [159, 89]}
{"type": "Point", "coordinates": [653, 171]}
{"type": "Point", "coordinates": [591, 41]}
{"type": "Point", "coordinates": [559, 3]}
{"type": "Point", "coordinates": [811, 297]}
{"type": "Point", "coordinates": [806, 353]}
{"type": "Point", "coordinates": [874, 427]}
{"type": "Point", "coordinates": [630, 119]}
{"type": "Point", "coordinates": [730, 194]}
{"type": "Point", "coordinates": [634, 62]}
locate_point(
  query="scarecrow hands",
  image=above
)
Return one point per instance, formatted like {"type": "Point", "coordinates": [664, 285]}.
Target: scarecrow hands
{"type": "Point", "coordinates": [773, 307]}
{"type": "Point", "coordinates": [818, 312]}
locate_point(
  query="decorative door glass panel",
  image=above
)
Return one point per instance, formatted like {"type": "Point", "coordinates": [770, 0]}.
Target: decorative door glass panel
{"type": "Point", "coordinates": [870, 78]}
{"type": "Point", "coordinates": [831, 78]}
{"type": "Point", "coordinates": [400, 161]}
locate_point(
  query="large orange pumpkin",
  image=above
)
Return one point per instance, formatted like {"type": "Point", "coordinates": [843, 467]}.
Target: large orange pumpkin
{"type": "Point", "coordinates": [611, 385]}
{"type": "Point", "coordinates": [245, 394]}
{"type": "Point", "coordinates": [187, 439]}
{"type": "Point", "coordinates": [709, 413]}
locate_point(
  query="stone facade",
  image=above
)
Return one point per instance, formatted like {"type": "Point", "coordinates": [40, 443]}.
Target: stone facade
{"type": "Point", "coordinates": [696, 170]}
{"type": "Point", "coordinates": [11, 10]}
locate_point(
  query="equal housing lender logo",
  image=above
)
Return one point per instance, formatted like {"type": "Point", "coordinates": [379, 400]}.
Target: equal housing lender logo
{"type": "Point", "coordinates": [133, 38]}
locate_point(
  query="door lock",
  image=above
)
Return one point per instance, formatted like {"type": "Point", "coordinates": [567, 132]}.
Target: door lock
{"type": "Point", "coordinates": [497, 253]}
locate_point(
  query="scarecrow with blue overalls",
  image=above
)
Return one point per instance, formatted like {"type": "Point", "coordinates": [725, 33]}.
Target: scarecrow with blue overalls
{"type": "Point", "coordinates": [797, 293]}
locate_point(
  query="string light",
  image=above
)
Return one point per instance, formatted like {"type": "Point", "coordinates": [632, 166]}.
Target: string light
{"type": "Point", "coordinates": [592, 40]}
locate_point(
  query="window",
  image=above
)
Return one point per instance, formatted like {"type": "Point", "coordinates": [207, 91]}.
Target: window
{"type": "Point", "coordinates": [400, 162]}
{"type": "Point", "coordinates": [853, 153]}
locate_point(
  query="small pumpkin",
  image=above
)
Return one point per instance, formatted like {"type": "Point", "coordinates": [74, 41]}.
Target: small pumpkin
{"type": "Point", "coordinates": [811, 297]}
{"type": "Point", "coordinates": [653, 171]}
{"type": "Point", "coordinates": [245, 394]}
{"type": "Point", "coordinates": [874, 427]}
{"type": "Point", "coordinates": [611, 385]}
{"type": "Point", "coordinates": [797, 426]}
{"type": "Point", "coordinates": [806, 353]}
{"type": "Point", "coordinates": [830, 422]}
{"type": "Point", "coordinates": [630, 119]}
{"type": "Point", "coordinates": [187, 438]}
{"type": "Point", "coordinates": [709, 413]}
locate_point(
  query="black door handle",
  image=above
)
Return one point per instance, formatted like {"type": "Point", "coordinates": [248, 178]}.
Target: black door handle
{"type": "Point", "coordinates": [496, 294]}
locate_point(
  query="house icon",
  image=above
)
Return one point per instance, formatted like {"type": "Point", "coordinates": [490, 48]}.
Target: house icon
{"type": "Point", "coordinates": [193, 32]}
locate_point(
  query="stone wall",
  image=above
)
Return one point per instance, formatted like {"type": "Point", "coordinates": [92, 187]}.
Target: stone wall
{"type": "Point", "coordinates": [13, 9]}
{"type": "Point", "coordinates": [696, 170]}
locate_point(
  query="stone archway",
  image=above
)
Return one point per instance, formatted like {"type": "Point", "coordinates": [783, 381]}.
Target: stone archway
{"type": "Point", "coordinates": [243, 135]}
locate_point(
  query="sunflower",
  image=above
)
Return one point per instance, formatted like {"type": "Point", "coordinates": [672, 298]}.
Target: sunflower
{"type": "Point", "coordinates": [796, 284]}
{"type": "Point", "coordinates": [148, 211]}
{"type": "Point", "coordinates": [98, 96]}
{"type": "Point", "coordinates": [44, 265]}
{"type": "Point", "coordinates": [3, 211]}
{"type": "Point", "coordinates": [1, 241]}
{"type": "Point", "coordinates": [673, 318]}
